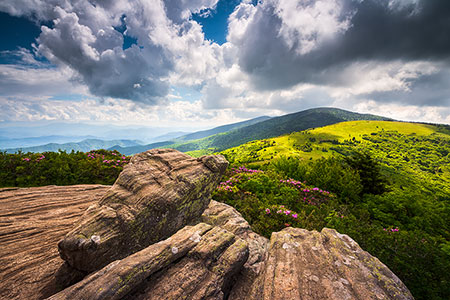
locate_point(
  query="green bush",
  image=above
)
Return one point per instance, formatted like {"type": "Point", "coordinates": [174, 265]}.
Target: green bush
{"type": "Point", "coordinates": [369, 172]}
{"type": "Point", "coordinates": [331, 174]}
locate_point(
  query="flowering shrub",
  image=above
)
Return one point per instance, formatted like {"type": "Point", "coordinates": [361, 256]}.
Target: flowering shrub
{"type": "Point", "coordinates": [271, 203]}
{"type": "Point", "coordinates": [60, 168]}
{"type": "Point", "coordinates": [391, 229]}
{"type": "Point", "coordinates": [244, 170]}
{"type": "Point", "coordinates": [312, 196]}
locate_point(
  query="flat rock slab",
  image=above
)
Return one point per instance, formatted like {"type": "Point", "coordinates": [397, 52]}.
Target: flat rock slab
{"type": "Point", "coordinates": [32, 221]}
{"type": "Point", "coordinates": [158, 192]}
{"type": "Point", "coordinates": [313, 265]}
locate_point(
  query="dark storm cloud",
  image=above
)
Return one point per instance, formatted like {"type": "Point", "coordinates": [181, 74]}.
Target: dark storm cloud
{"type": "Point", "coordinates": [414, 31]}
{"type": "Point", "coordinates": [379, 30]}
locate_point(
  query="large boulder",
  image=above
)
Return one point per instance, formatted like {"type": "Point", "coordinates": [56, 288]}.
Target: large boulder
{"type": "Point", "coordinates": [313, 265]}
{"type": "Point", "coordinates": [158, 192]}
{"type": "Point", "coordinates": [195, 263]}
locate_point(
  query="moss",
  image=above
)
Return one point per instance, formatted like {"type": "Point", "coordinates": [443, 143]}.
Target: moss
{"type": "Point", "coordinates": [122, 283]}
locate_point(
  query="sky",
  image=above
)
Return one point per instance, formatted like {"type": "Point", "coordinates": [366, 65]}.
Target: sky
{"type": "Point", "coordinates": [191, 64]}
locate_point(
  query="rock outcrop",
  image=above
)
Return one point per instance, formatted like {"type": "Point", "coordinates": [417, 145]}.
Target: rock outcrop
{"type": "Point", "coordinates": [158, 192]}
{"type": "Point", "coordinates": [227, 260]}
{"type": "Point", "coordinates": [32, 221]}
{"type": "Point", "coordinates": [304, 264]}
{"type": "Point", "coordinates": [195, 263]}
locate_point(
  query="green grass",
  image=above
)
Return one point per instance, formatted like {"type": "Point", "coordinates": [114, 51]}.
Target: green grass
{"type": "Point", "coordinates": [320, 142]}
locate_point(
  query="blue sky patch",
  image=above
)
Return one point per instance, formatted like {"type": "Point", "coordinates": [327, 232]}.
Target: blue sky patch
{"type": "Point", "coordinates": [68, 97]}
{"type": "Point", "coordinates": [185, 93]}
{"type": "Point", "coordinates": [215, 24]}
{"type": "Point", "coordinates": [128, 41]}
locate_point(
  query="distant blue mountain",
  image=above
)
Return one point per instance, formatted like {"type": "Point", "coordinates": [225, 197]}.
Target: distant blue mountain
{"type": "Point", "coordinates": [7, 143]}
{"type": "Point", "coordinates": [84, 146]}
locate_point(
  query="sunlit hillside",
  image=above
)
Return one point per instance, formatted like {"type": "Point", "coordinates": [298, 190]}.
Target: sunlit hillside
{"type": "Point", "coordinates": [388, 140]}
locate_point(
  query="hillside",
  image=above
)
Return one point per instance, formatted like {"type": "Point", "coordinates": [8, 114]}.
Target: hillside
{"type": "Point", "coordinates": [8, 143]}
{"type": "Point", "coordinates": [328, 140]}
{"type": "Point", "coordinates": [83, 146]}
{"type": "Point", "coordinates": [391, 180]}
{"type": "Point", "coordinates": [269, 128]}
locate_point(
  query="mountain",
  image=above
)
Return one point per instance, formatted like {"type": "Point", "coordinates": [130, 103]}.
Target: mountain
{"type": "Point", "coordinates": [97, 131]}
{"type": "Point", "coordinates": [6, 142]}
{"type": "Point", "coordinates": [140, 148]}
{"type": "Point", "coordinates": [168, 136]}
{"type": "Point", "coordinates": [83, 146]}
{"type": "Point", "coordinates": [272, 127]}
{"type": "Point", "coordinates": [341, 138]}
{"type": "Point", "coordinates": [188, 137]}
{"type": "Point", "coordinates": [205, 133]}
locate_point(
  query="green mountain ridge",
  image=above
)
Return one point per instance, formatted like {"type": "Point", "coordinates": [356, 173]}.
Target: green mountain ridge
{"type": "Point", "coordinates": [205, 133]}
{"type": "Point", "coordinates": [272, 127]}
{"type": "Point", "coordinates": [187, 140]}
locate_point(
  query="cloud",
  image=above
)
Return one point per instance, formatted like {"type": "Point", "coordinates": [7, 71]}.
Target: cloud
{"type": "Point", "coordinates": [85, 37]}
{"type": "Point", "coordinates": [282, 43]}
{"type": "Point", "coordinates": [280, 56]}
{"type": "Point", "coordinates": [20, 80]}
{"type": "Point", "coordinates": [179, 115]}
{"type": "Point", "coordinates": [178, 11]}
{"type": "Point", "coordinates": [413, 113]}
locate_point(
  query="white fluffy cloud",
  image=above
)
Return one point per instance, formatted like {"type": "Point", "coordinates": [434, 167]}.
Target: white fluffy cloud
{"type": "Point", "coordinates": [280, 56]}
{"type": "Point", "coordinates": [85, 37]}
{"type": "Point", "coordinates": [306, 26]}
{"type": "Point", "coordinates": [178, 115]}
